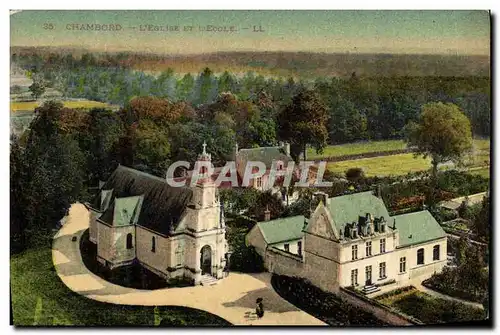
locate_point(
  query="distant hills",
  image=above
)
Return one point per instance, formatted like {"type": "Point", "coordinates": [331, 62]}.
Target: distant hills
{"type": "Point", "coordinates": [297, 64]}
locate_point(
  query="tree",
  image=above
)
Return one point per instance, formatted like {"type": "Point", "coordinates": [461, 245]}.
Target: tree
{"type": "Point", "coordinates": [37, 88]}
{"type": "Point", "coordinates": [355, 175]}
{"type": "Point", "coordinates": [481, 222]}
{"type": "Point", "coordinates": [443, 133]}
{"type": "Point", "coordinates": [152, 147]}
{"type": "Point", "coordinates": [303, 122]}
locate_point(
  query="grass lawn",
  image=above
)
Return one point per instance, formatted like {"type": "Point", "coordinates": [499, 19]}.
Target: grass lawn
{"type": "Point", "coordinates": [40, 298]}
{"type": "Point", "coordinates": [482, 144]}
{"type": "Point", "coordinates": [429, 309]}
{"type": "Point", "coordinates": [356, 148]}
{"type": "Point", "coordinates": [400, 164]}
{"type": "Point", "coordinates": [485, 173]}
{"type": "Point", "coordinates": [31, 105]}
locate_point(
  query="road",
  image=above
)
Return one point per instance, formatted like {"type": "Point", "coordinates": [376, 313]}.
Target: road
{"type": "Point", "coordinates": [233, 298]}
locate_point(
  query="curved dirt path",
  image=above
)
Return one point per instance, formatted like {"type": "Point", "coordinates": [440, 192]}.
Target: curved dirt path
{"type": "Point", "coordinates": [233, 298]}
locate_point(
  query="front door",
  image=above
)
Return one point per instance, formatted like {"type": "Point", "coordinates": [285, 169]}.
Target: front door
{"type": "Point", "coordinates": [206, 260]}
{"type": "Point", "coordinates": [368, 275]}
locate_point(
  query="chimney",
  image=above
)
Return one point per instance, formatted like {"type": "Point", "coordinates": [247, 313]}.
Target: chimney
{"type": "Point", "coordinates": [321, 196]}
{"type": "Point", "coordinates": [267, 214]}
{"type": "Point", "coordinates": [287, 148]}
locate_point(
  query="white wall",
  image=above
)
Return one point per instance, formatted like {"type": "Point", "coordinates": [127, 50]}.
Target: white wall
{"type": "Point", "coordinates": [293, 246]}
{"type": "Point", "coordinates": [112, 243]}
{"type": "Point", "coordinates": [392, 260]}
{"type": "Point", "coordinates": [160, 259]}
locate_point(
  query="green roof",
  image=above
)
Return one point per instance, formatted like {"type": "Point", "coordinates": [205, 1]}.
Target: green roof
{"type": "Point", "coordinates": [126, 210]}
{"type": "Point", "coordinates": [417, 227]}
{"type": "Point", "coordinates": [281, 230]}
{"type": "Point", "coordinates": [349, 208]}
{"type": "Point", "coordinates": [265, 155]}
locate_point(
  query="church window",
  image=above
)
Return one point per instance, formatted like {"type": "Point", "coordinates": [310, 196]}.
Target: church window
{"type": "Point", "coordinates": [129, 241]}
{"type": "Point", "coordinates": [153, 244]}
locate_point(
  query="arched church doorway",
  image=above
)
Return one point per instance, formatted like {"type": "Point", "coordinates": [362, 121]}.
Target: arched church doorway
{"type": "Point", "coordinates": [206, 260]}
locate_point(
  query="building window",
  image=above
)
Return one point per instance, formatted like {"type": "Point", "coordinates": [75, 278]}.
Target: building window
{"type": "Point", "coordinates": [382, 270]}
{"type": "Point", "coordinates": [354, 277]}
{"type": "Point", "coordinates": [279, 166]}
{"type": "Point", "coordinates": [129, 241]}
{"type": "Point", "coordinates": [258, 182]}
{"type": "Point", "coordinates": [287, 247]}
{"type": "Point", "coordinates": [368, 275]}
{"type": "Point", "coordinates": [420, 256]}
{"type": "Point", "coordinates": [402, 265]}
{"type": "Point", "coordinates": [368, 249]}
{"type": "Point", "coordinates": [299, 248]}
{"type": "Point", "coordinates": [153, 244]}
{"type": "Point", "coordinates": [354, 252]}
{"type": "Point", "coordinates": [435, 253]}
{"type": "Point", "coordinates": [382, 245]}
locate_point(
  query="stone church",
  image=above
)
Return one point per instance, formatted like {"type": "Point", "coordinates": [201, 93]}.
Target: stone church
{"type": "Point", "coordinates": [175, 232]}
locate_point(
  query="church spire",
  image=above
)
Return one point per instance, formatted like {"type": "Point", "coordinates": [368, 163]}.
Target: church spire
{"type": "Point", "coordinates": [204, 156]}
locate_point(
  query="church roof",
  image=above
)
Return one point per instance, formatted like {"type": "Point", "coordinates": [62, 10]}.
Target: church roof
{"type": "Point", "coordinates": [265, 155]}
{"type": "Point", "coordinates": [283, 229]}
{"type": "Point", "coordinates": [350, 208]}
{"type": "Point", "coordinates": [418, 227]}
{"type": "Point", "coordinates": [140, 198]}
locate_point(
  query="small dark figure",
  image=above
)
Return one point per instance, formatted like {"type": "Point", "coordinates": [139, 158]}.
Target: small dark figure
{"type": "Point", "coordinates": [73, 239]}
{"type": "Point", "coordinates": [260, 308]}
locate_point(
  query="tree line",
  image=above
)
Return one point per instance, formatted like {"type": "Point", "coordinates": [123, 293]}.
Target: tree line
{"type": "Point", "coordinates": [359, 108]}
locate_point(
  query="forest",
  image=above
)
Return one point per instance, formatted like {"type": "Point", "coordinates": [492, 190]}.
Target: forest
{"type": "Point", "coordinates": [165, 118]}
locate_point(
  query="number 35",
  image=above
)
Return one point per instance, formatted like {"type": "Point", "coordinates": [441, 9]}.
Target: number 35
{"type": "Point", "coordinates": [48, 26]}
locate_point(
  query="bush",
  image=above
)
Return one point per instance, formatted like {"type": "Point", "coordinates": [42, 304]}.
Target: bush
{"type": "Point", "coordinates": [243, 258]}
{"type": "Point", "coordinates": [323, 305]}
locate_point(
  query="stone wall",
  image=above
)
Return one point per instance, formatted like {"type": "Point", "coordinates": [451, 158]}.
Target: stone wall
{"type": "Point", "coordinates": [283, 263]}
{"type": "Point", "coordinates": [380, 311]}
{"type": "Point", "coordinates": [159, 259]}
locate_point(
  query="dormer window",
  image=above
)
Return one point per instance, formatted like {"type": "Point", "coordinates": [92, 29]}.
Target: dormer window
{"type": "Point", "coordinates": [382, 227]}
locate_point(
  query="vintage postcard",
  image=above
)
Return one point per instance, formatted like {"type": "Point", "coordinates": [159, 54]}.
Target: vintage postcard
{"type": "Point", "coordinates": [278, 168]}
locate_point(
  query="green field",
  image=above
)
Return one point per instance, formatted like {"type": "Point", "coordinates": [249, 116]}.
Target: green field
{"type": "Point", "coordinates": [31, 105]}
{"type": "Point", "coordinates": [400, 164]}
{"type": "Point", "coordinates": [40, 298]}
{"type": "Point", "coordinates": [356, 148]}
{"type": "Point", "coordinates": [485, 173]}
{"type": "Point", "coordinates": [482, 144]}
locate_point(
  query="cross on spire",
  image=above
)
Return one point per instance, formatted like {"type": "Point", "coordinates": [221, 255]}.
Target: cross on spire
{"type": "Point", "coordinates": [204, 147]}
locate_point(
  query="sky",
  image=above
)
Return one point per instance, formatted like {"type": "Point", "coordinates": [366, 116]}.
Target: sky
{"type": "Point", "coordinates": [399, 32]}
